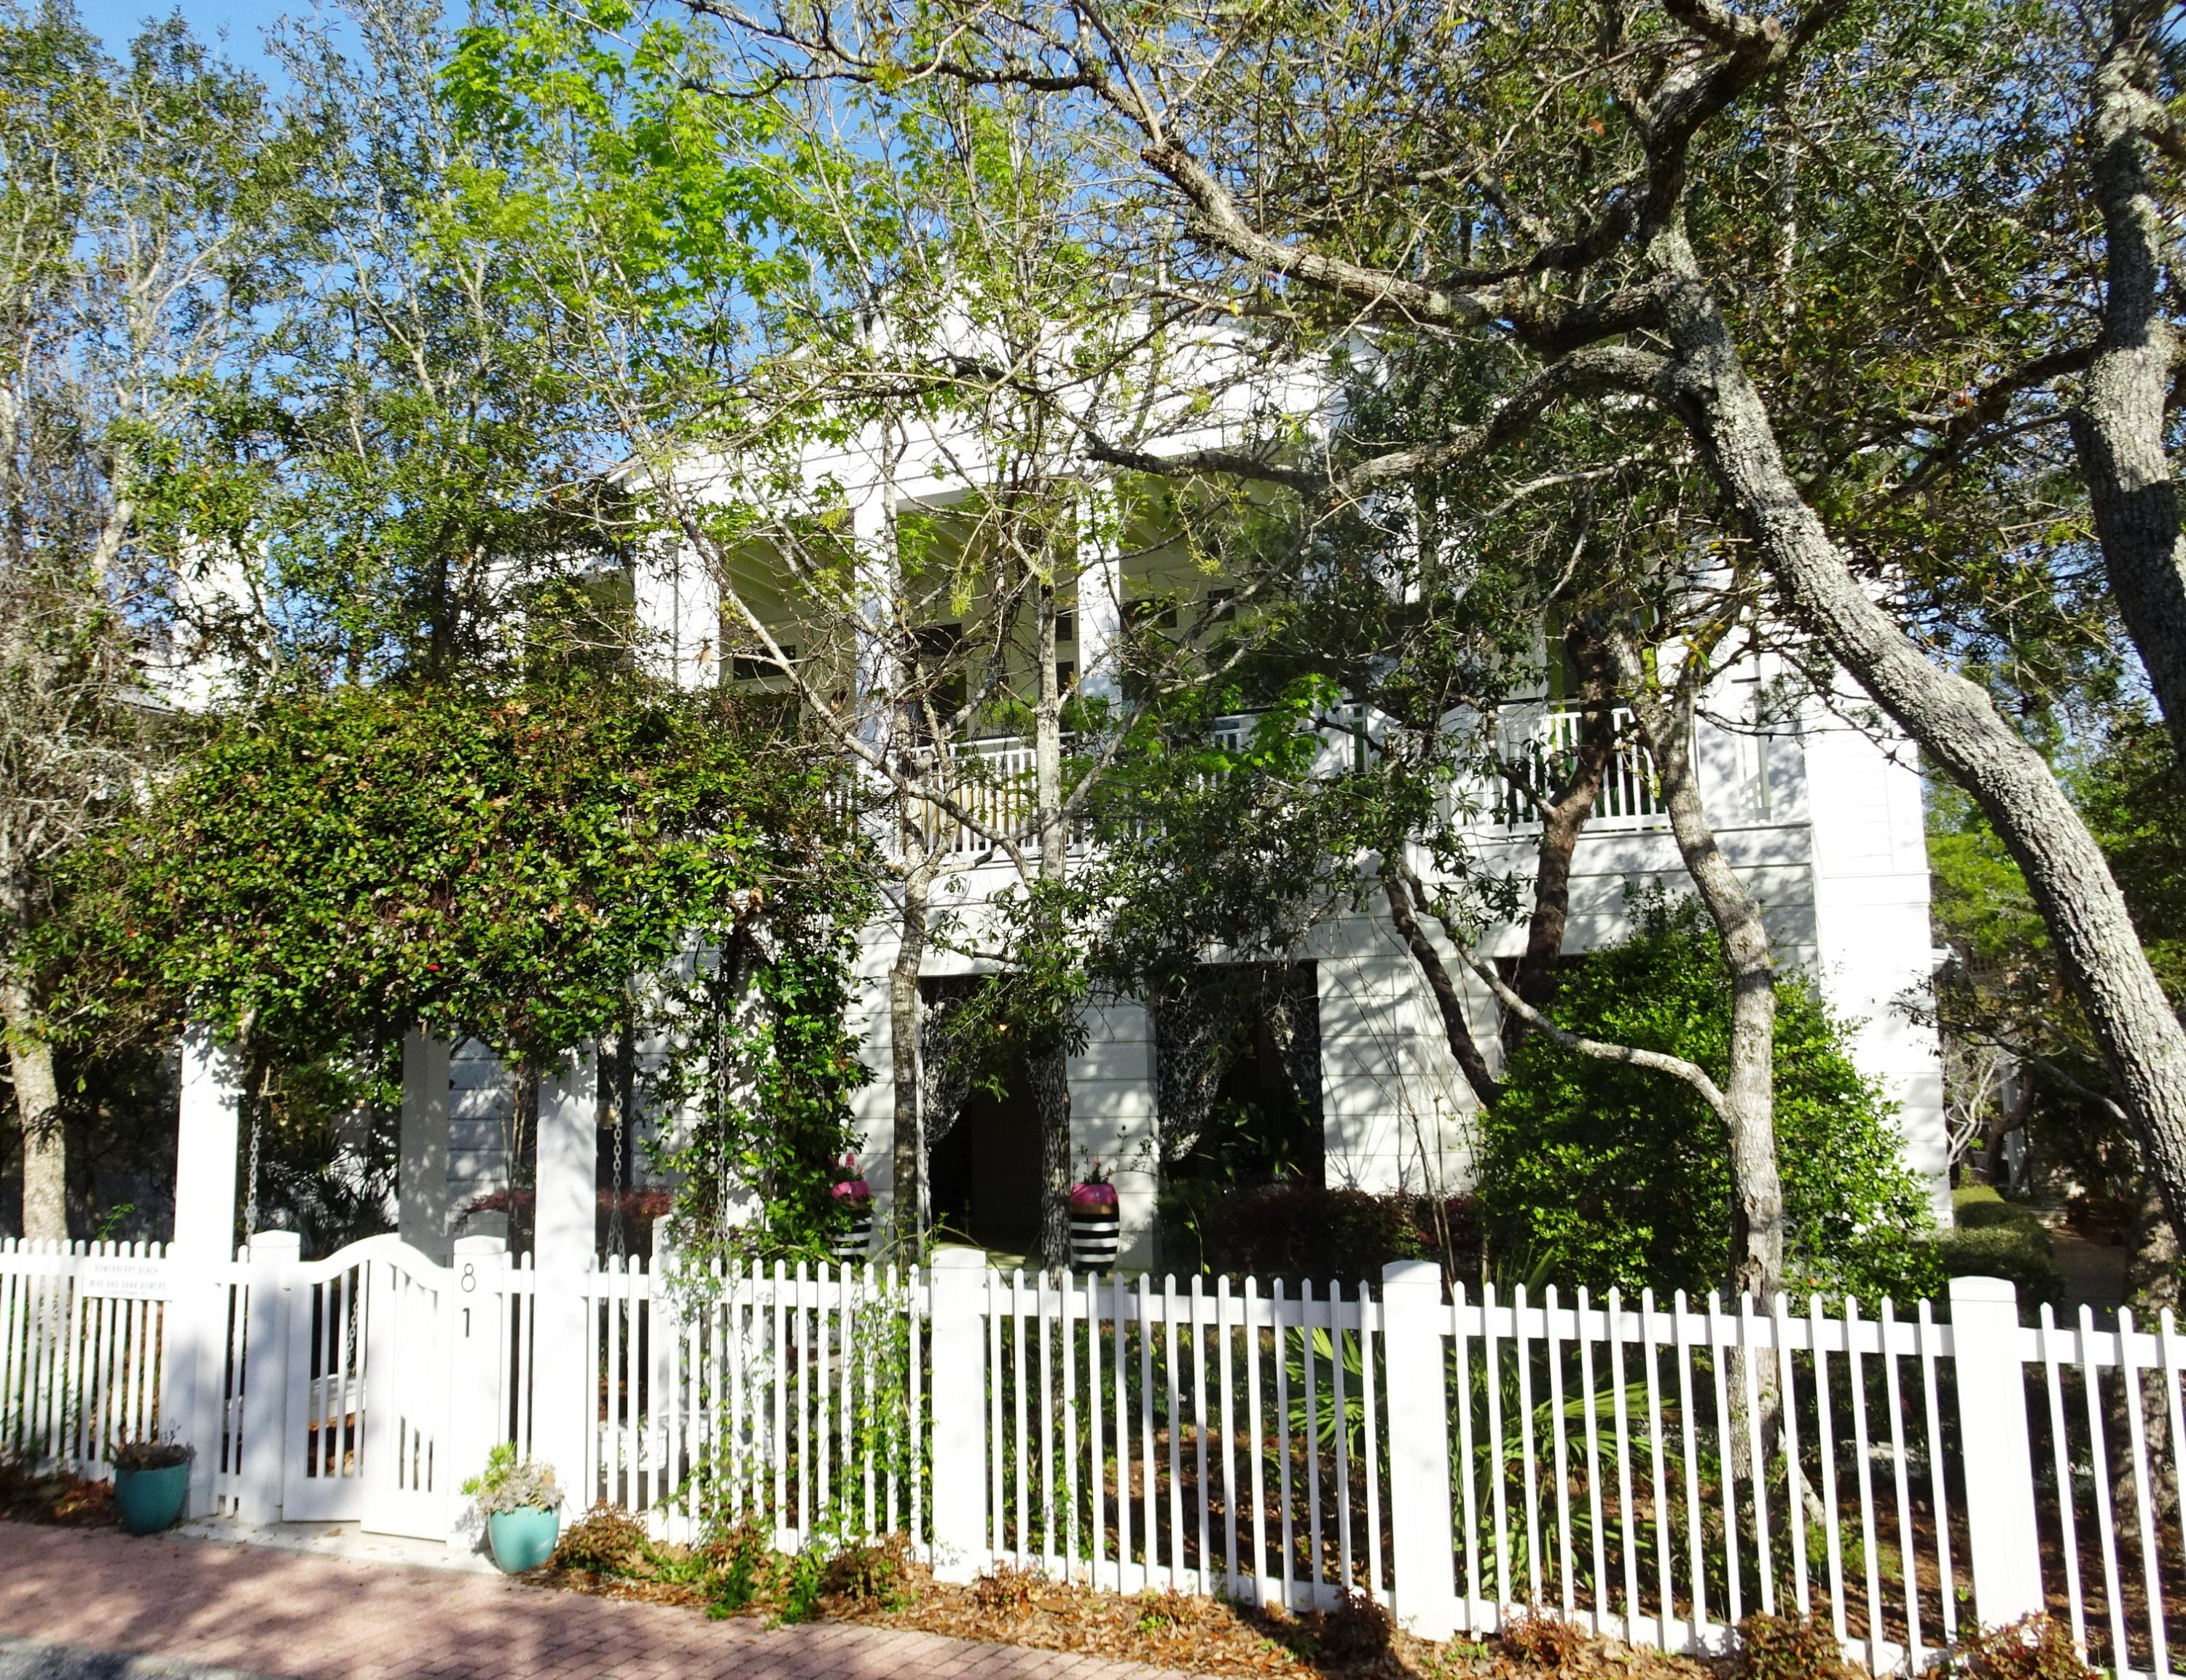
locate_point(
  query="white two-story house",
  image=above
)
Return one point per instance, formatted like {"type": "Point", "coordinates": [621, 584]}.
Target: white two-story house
{"type": "Point", "coordinates": [1821, 813]}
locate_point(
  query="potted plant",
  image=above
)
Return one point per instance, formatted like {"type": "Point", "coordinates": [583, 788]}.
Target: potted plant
{"type": "Point", "coordinates": [521, 1504]}
{"type": "Point", "coordinates": [1094, 1223]}
{"type": "Point", "coordinates": [856, 1196]}
{"type": "Point", "coordinates": [151, 1482]}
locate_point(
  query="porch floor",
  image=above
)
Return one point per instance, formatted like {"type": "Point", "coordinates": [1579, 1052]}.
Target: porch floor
{"type": "Point", "coordinates": [277, 1611]}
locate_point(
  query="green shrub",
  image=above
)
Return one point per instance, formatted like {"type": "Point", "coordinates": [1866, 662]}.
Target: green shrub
{"type": "Point", "coordinates": [1543, 1639]}
{"type": "Point", "coordinates": [2033, 1648]}
{"type": "Point", "coordinates": [2021, 1257]}
{"type": "Point", "coordinates": [1790, 1648]}
{"type": "Point", "coordinates": [1978, 1208]}
{"type": "Point", "coordinates": [1600, 1174]}
{"type": "Point", "coordinates": [870, 1572]}
{"type": "Point", "coordinates": [607, 1540]}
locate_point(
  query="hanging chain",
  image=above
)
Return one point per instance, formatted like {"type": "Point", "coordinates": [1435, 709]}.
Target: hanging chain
{"type": "Point", "coordinates": [615, 1238]}
{"type": "Point", "coordinates": [251, 1189]}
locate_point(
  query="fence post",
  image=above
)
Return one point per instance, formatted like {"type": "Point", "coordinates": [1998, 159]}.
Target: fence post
{"type": "Point", "coordinates": [193, 1326]}
{"type": "Point", "coordinates": [478, 1398]}
{"type": "Point", "coordinates": [959, 1399]}
{"type": "Point", "coordinates": [565, 1391]}
{"type": "Point", "coordinates": [1422, 1551]}
{"type": "Point", "coordinates": [274, 1257]}
{"type": "Point", "coordinates": [1995, 1450]}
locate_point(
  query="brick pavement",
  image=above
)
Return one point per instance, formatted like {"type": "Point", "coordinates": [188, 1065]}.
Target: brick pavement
{"type": "Point", "coordinates": [315, 1618]}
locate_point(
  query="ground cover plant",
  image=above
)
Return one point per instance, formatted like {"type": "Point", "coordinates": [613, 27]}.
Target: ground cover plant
{"type": "Point", "coordinates": [877, 1581]}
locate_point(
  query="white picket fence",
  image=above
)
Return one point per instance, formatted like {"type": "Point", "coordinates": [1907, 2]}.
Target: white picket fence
{"type": "Point", "coordinates": [1620, 1462]}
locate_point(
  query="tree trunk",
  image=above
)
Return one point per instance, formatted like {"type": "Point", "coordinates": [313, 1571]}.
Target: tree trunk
{"type": "Point", "coordinates": [37, 1109]}
{"type": "Point", "coordinates": [1051, 1063]}
{"type": "Point", "coordinates": [1456, 1024]}
{"type": "Point", "coordinates": [1561, 824]}
{"type": "Point", "coordinates": [1756, 1205]}
{"type": "Point", "coordinates": [2151, 1288]}
{"type": "Point", "coordinates": [908, 1139]}
{"type": "Point", "coordinates": [1051, 1093]}
{"type": "Point", "coordinates": [1954, 722]}
{"type": "Point", "coordinates": [2118, 428]}
{"type": "Point", "coordinates": [2010, 1115]}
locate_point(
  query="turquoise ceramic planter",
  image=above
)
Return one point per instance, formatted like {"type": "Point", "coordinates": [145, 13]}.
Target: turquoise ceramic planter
{"type": "Point", "coordinates": [148, 1501]}
{"type": "Point", "coordinates": [522, 1540]}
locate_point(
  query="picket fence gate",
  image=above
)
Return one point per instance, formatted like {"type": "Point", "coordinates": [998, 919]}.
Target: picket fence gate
{"type": "Point", "coordinates": [1655, 1470]}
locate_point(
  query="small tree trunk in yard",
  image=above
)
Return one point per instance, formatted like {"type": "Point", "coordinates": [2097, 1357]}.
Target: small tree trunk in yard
{"type": "Point", "coordinates": [1756, 1207]}
{"type": "Point", "coordinates": [1051, 1064]}
{"type": "Point", "coordinates": [37, 1109]}
{"type": "Point", "coordinates": [1561, 824]}
{"type": "Point", "coordinates": [1456, 1028]}
{"type": "Point", "coordinates": [908, 1139]}
{"type": "Point", "coordinates": [2152, 1289]}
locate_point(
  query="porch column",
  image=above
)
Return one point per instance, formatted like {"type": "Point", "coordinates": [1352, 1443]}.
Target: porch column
{"type": "Point", "coordinates": [565, 1246]}
{"type": "Point", "coordinates": [422, 1174]}
{"type": "Point", "coordinates": [208, 1126]}
{"type": "Point", "coordinates": [873, 561]}
{"type": "Point", "coordinates": [194, 1338]}
{"type": "Point", "coordinates": [1100, 596]}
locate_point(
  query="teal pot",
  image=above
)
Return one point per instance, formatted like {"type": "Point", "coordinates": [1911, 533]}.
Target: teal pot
{"type": "Point", "coordinates": [524, 1540]}
{"type": "Point", "coordinates": [149, 1500]}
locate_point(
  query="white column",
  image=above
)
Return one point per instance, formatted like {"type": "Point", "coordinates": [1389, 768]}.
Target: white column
{"type": "Point", "coordinates": [1100, 598]}
{"type": "Point", "coordinates": [208, 1128]}
{"type": "Point", "coordinates": [960, 1414]}
{"type": "Point", "coordinates": [873, 561]}
{"type": "Point", "coordinates": [677, 600]}
{"type": "Point", "coordinates": [274, 1257]}
{"type": "Point", "coordinates": [422, 1173]}
{"type": "Point", "coordinates": [1993, 1444]}
{"type": "Point", "coordinates": [1413, 1320]}
{"type": "Point", "coordinates": [193, 1340]}
{"type": "Point", "coordinates": [477, 1402]}
{"type": "Point", "coordinates": [565, 1243]}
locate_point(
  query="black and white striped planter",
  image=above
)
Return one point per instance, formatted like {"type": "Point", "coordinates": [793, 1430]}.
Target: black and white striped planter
{"type": "Point", "coordinates": [857, 1243]}
{"type": "Point", "coordinates": [1094, 1236]}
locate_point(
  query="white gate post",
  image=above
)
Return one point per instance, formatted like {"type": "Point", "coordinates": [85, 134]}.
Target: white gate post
{"type": "Point", "coordinates": [1994, 1447]}
{"type": "Point", "coordinates": [193, 1327]}
{"type": "Point", "coordinates": [477, 1396]}
{"type": "Point", "coordinates": [274, 1257]}
{"type": "Point", "coordinates": [564, 1385]}
{"type": "Point", "coordinates": [1423, 1556]}
{"type": "Point", "coordinates": [958, 1396]}
{"type": "Point", "coordinates": [421, 1193]}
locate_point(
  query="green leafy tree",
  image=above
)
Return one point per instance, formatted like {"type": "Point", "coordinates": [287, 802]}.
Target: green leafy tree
{"type": "Point", "coordinates": [1598, 1174]}
{"type": "Point", "coordinates": [144, 219]}
{"type": "Point", "coordinates": [538, 866]}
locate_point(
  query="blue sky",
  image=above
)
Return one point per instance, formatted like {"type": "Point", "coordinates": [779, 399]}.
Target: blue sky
{"type": "Point", "coordinates": [244, 22]}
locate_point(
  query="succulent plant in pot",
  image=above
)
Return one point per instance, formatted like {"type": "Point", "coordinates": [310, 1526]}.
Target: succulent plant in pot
{"type": "Point", "coordinates": [521, 1503]}
{"type": "Point", "coordinates": [151, 1482]}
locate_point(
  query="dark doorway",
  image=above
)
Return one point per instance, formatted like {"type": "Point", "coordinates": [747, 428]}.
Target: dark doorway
{"type": "Point", "coordinates": [983, 1150]}
{"type": "Point", "coordinates": [1237, 1058]}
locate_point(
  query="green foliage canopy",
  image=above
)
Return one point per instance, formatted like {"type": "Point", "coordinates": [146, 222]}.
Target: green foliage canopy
{"type": "Point", "coordinates": [333, 868]}
{"type": "Point", "coordinates": [1603, 1174]}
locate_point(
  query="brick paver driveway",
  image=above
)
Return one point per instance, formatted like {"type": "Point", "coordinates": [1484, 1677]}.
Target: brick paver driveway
{"type": "Point", "coordinates": [276, 1613]}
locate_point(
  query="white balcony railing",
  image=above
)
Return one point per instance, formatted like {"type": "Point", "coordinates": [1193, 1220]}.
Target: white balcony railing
{"type": "Point", "coordinates": [991, 780]}
{"type": "Point", "coordinates": [1538, 751]}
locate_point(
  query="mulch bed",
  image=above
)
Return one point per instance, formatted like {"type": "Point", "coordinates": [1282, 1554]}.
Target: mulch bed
{"type": "Point", "coordinates": [1165, 1629]}
{"type": "Point", "coordinates": [55, 1497]}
